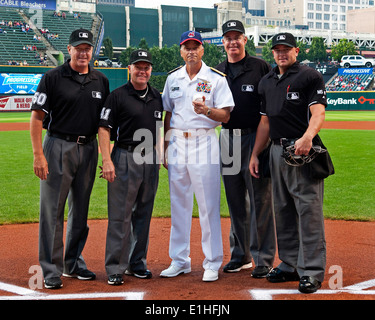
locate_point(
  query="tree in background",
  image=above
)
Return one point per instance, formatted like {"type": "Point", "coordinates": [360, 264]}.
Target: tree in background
{"type": "Point", "coordinates": [250, 47]}
{"type": "Point", "coordinates": [344, 47]}
{"type": "Point", "coordinates": [302, 54]}
{"type": "Point", "coordinates": [318, 50]}
{"type": "Point", "coordinates": [108, 48]}
{"type": "Point", "coordinates": [267, 53]}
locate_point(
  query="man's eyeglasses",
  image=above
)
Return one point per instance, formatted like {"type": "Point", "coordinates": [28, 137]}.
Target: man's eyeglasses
{"type": "Point", "coordinates": [86, 50]}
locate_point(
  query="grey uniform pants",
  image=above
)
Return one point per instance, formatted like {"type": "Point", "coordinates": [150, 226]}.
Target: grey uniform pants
{"type": "Point", "coordinates": [252, 233]}
{"type": "Point", "coordinates": [298, 202]}
{"type": "Point", "coordinates": [130, 203]}
{"type": "Point", "coordinates": [72, 169]}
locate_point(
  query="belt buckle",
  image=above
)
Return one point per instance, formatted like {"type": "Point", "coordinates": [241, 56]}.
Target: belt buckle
{"type": "Point", "coordinates": [186, 134]}
{"type": "Point", "coordinates": [237, 132]}
{"type": "Point", "coordinates": [79, 141]}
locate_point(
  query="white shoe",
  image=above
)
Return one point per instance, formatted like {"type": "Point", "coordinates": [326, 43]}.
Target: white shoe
{"type": "Point", "coordinates": [210, 275]}
{"type": "Point", "coordinates": [174, 271]}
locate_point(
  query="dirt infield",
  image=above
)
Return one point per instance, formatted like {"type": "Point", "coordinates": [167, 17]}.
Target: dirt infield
{"type": "Point", "coordinates": [350, 252]}
{"type": "Point", "coordinates": [349, 273]}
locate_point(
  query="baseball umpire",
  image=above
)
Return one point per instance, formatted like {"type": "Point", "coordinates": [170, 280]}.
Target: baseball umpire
{"type": "Point", "coordinates": [252, 233]}
{"type": "Point", "coordinates": [134, 109]}
{"type": "Point", "coordinates": [293, 107]}
{"type": "Point", "coordinates": [67, 103]}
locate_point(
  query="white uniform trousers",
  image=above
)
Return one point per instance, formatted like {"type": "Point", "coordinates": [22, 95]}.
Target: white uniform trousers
{"type": "Point", "coordinates": [194, 168]}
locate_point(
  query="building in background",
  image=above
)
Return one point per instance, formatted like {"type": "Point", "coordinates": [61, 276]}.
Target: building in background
{"type": "Point", "coordinates": [315, 14]}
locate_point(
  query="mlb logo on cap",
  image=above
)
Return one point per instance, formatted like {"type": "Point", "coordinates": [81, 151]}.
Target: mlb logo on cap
{"type": "Point", "coordinates": [281, 37]}
{"type": "Point", "coordinates": [83, 35]}
{"type": "Point", "coordinates": [231, 24]}
{"type": "Point", "coordinates": [142, 54]}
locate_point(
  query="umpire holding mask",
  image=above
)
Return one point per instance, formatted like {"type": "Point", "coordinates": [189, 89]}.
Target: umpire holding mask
{"type": "Point", "coordinates": [293, 107]}
{"type": "Point", "coordinates": [67, 103]}
{"type": "Point", "coordinates": [252, 233]}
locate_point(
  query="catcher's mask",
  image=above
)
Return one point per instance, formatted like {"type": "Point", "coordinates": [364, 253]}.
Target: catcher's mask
{"type": "Point", "coordinates": [298, 160]}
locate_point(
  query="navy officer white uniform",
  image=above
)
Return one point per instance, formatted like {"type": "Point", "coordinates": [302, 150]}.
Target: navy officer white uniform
{"type": "Point", "coordinates": [193, 156]}
{"type": "Point", "coordinates": [67, 103]}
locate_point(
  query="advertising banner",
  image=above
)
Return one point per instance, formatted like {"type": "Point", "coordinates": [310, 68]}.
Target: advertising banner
{"type": "Point", "coordinates": [15, 103]}
{"type": "Point", "coordinates": [30, 4]}
{"type": "Point", "coordinates": [362, 100]}
{"type": "Point", "coordinates": [19, 83]}
{"type": "Point", "coordinates": [349, 71]}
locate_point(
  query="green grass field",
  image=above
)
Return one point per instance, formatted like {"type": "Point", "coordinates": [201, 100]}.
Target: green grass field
{"type": "Point", "coordinates": [348, 193]}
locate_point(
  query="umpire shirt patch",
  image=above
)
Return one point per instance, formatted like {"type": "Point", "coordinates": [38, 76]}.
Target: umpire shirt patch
{"type": "Point", "coordinates": [292, 96]}
{"type": "Point", "coordinates": [247, 88]}
{"type": "Point", "coordinates": [96, 94]}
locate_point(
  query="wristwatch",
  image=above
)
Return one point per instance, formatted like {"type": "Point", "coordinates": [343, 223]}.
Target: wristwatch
{"type": "Point", "coordinates": [208, 112]}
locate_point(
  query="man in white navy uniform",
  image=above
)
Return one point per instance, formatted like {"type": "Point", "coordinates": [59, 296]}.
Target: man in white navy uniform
{"type": "Point", "coordinates": [196, 99]}
{"type": "Point", "coordinates": [67, 103]}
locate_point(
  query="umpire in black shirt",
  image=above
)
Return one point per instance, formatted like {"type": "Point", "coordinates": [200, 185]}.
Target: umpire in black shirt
{"type": "Point", "coordinates": [249, 200]}
{"type": "Point", "coordinates": [293, 107]}
{"type": "Point", "coordinates": [67, 103]}
{"type": "Point", "coordinates": [132, 116]}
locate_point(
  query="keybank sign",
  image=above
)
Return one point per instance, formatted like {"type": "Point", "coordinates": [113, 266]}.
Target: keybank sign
{"type": "Point", "coordinates": [363, 100]}
{"type": "Point", "coordinates": [341, 101]}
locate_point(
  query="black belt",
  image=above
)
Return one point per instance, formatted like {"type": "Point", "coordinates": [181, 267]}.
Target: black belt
{"type": "Point", "coordinates": [241, 132]}
{"type": "Point", "coordinates": [73, 138]}
{"type": "Point", "coordinates": [131, 148]}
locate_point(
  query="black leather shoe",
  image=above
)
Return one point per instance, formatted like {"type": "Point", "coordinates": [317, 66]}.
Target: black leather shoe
{"type": "Point", "coordinates": [309, 284]}
{"type": "Point", "coordinates": [277, 275]}
{"type": "Point", "coordinates": [53, 283]}
{"type": "Point", "coordinates": [261, 272]}
{"type": "Point", "coordinates": [236, 266]}
{"type": "Point", "coordinates": [143, 274]}
{"type": "Point", "coordinates": [115, 279]}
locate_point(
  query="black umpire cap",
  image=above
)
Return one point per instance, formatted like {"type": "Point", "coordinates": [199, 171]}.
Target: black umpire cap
{"type": "Point", "coordinates": [140, 55]}
{"type": "Point", "coordinates": [80, 36]}
{"type": "Point", "coordinates": [284, 38]}
{"type": "Point", "coordinates": [233, 25]}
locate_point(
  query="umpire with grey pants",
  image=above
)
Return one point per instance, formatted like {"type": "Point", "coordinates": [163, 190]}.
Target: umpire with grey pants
{"type": "Point", "coordinates": [252, 233]}
{"type": "Point", "coordinates": [293, 107]}
{"type": "Point", "coordinates": [67, 103]}
{"type": "Point", "coordinates": [132, 116]}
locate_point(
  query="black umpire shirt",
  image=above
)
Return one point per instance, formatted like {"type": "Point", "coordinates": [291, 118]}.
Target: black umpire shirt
{"type": "Point", "coordinates": [72, 102]}
{"type": "Point", "coordinates": [243, 78]}
{"type": "Point", "coordinates": [125, 112]}
{"type": "Point", "coordinates": [286, 101]}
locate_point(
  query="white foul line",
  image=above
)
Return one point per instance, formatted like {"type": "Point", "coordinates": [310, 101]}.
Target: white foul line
{"type": "Point", "coordinates": [359, 288]}
{"type": "Point", "coordinates": [28, 294]}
